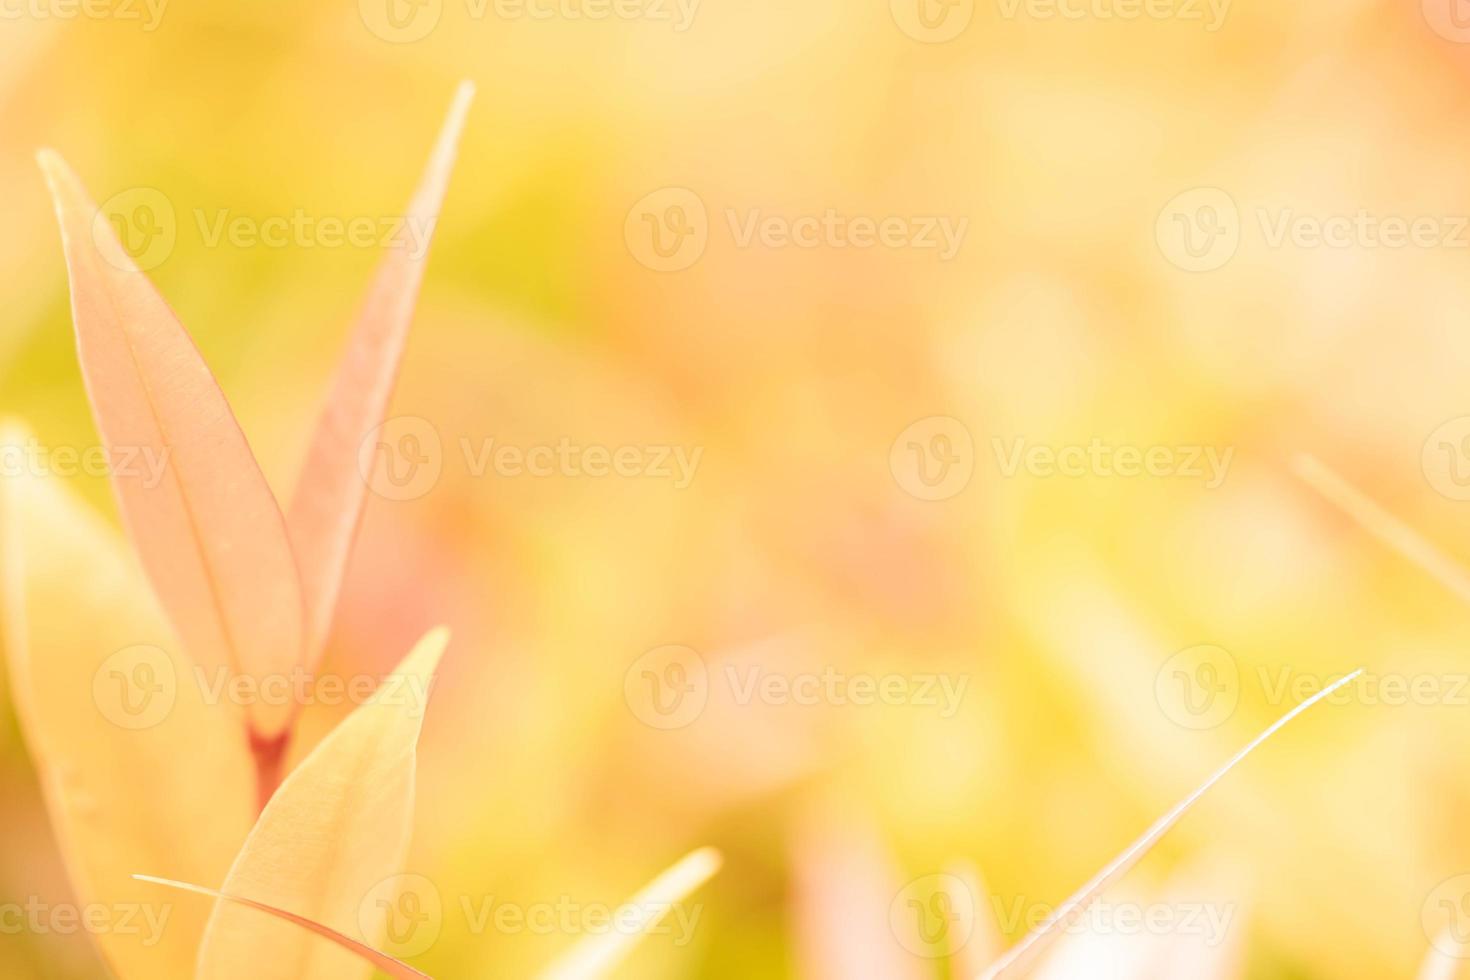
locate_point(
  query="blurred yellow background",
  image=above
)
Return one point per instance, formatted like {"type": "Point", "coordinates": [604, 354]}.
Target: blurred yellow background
{"type": "Point", "coordinates": [1131, 203]}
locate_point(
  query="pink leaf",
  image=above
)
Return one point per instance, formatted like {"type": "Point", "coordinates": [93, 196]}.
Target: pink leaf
{"type": "Point", "coordinates": [327, 506]}
{"type": "Point", "coordinates": [209, 532]}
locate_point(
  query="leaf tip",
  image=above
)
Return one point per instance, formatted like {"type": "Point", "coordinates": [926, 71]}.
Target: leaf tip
{"type": "Point", "coordinates": [49, 161]}
{"type": "Point", "coordinates": [60, 178]}
{"type": "Point", "coordinates": [707, 861]}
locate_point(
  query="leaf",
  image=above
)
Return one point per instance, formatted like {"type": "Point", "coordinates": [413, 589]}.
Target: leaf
{"type": "Point", "coordinates": [336, 828]}
{"type": "Point", "coordinates": [209, 532]}
{"type": "Point", "coordinates": [1037, 941]}
{"type": "Point", "coordinates": [1439, 965]}
{"type": "Point", "coordinates": [134, 764]}
{"type": "Point", "coordinates": [1383, 525]}
{"type": "Point", "coordinates": [327, 506]}
{"type": "Point", "coordinates": [1195, 932]}
{"type": "Point", "coordinates": [394, 968]}
{"type": "Point", "coordinates": [598, 954]}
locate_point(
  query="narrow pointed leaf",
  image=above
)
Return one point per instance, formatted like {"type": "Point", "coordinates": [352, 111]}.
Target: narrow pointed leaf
{"type": "Point", "coordinates": [334, 830]}
{"type": "Point", "coordinates": [208, 529]}
{"type": "Point", "coordinates": [135, 764]}
{"type": "Point", "coordinates": [1026, 951]}
{"type": "Point", "coordinates": [598, 955]}
{"type": "Point", "coordinates": [327, 506]}
{"type": "Point", "coordinates": [393, 967]}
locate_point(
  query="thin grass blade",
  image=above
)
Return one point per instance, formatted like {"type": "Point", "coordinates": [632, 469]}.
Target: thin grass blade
{"type": "Point", "coordinates": [597, 955]}
{"type": "Point", "coordinates": [1028, 949]}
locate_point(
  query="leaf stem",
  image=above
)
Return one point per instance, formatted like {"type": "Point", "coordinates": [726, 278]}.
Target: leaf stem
{"type": "Point", "coordinates": [270, 756]}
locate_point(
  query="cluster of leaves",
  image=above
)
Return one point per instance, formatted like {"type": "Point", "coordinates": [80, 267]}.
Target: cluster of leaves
{"type": "Point", "coordinates": [233, 581]}
{"type": "Point", "coordinates": [229, 581]}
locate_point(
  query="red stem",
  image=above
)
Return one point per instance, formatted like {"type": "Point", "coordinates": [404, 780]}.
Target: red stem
{"type": "Point", "coordinates": [270, 757]}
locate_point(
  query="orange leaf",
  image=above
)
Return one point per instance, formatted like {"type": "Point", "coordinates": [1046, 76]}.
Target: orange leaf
{"type": "Point", "coordinates": [209, 532]}
{"type": "Point", "coordinates": [330, 494]}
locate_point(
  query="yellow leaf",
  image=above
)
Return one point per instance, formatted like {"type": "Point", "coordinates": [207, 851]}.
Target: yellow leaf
{"type": "Point", "coordinates": [598, 954]}
{"type": "Point", "coordinates": [208, 529]}
{"type": "Point", "coordinates": [137, 769]}
{"type": "Point", "coordinates": [327, 506]}
{"type": "Point", "coordinates": [335, 829]}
